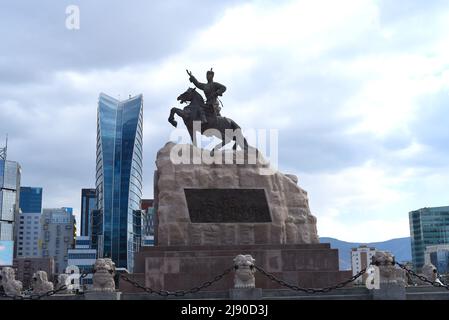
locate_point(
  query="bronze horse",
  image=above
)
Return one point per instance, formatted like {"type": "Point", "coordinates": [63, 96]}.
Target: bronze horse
{"type": "Point", "coordinates": [191, 113]}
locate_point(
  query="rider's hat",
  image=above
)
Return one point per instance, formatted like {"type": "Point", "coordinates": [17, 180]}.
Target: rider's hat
{"type": "Point", "coordinates": [210, 72]}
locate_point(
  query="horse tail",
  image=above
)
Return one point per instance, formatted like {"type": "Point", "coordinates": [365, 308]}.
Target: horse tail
{"type": "Point", "coordinates": [234, 125]}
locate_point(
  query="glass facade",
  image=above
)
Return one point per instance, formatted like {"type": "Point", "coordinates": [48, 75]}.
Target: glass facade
{"type": "Point", "coordinates": [428, 226]}
{"type": "Point", "coordinates": [119, 176]}
{"type": "Point", "coordinates": [147, 222]}
{"type": "Point", "coordinates": [440, 259]}
{"type": "Point", "coordinates": [9, 198]}
{"type": "Point", "coordinates": [7, 204]}
{"type": "Point", "coordinates": [30, 199]}
{"type": "Point", "coordinates": [88, 204]}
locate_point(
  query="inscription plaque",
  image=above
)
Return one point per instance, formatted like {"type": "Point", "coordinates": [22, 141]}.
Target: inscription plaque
{"type": "Point", "coordinates": [227, 205]}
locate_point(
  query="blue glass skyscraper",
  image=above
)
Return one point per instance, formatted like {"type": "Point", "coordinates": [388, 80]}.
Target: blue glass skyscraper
{"type": "Point", "coordinates": [88, 204]}
{"type": "Point", "coordinates": [428, 226]}
{"type": "Point", "coordinates": [10, 173]}
{"type": "Point", "coordinates": [30, 199]}
{"type": "Point", "coordinates": [119, 176]}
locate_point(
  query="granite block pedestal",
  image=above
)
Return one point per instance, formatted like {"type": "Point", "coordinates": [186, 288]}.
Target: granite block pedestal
{"type": "Point", "coordinates": [206, 214]}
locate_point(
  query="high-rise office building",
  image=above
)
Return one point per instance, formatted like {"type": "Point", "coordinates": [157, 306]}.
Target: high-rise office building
{"type": "Point", "coordinates": [428, 226]}
{"type": "Point", "coordinates": [28, 235]}
{"type": "Point", "coordinates": [28, 228]}
{"type": "Point", "coordinates": [57, 235]}
{"type": "Point", "coordinates": [147, 207]}
{"type": "Point", "coordinates": [88, 204]}
{"type": "Point", "coordinates": [10, 173]}
{"type": "Point", "coordinates": [30, 199]}
{"type": "Point", "coordinates": [119, 177]}
{"type": "Point", "coordinates": [97, 232]}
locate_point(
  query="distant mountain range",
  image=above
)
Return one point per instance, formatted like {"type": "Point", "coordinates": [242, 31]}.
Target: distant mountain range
{"type": "Point", "coordinates": [400, 248]}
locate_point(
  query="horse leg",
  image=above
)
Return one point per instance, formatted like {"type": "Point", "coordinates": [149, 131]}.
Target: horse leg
{"type": "Point", "coordinates": [171, 118]}
{"type": "Point", "coordinates": [216, 148]}
{"type": "Point", "coordinates": [192, 135]}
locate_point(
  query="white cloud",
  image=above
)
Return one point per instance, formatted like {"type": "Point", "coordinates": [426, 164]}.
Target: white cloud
{"type": "Point", "coordinates": [346, 79]}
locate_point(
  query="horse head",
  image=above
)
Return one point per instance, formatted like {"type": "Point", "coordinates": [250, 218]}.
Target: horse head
{"type": "Point", "coordinates": [190, 95]}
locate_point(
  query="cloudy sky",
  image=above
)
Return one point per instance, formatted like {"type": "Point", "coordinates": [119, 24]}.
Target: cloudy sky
{"type": "Point", "coordinates": [358, 90]}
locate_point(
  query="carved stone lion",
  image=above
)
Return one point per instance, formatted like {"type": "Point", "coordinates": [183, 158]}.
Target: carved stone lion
{"type": "Point", "coordinates": [40, 283]}
{"type": "Point", "coordinates": [387, 269]}
{"type": "Point", "coordinates": [11, 286]}
{"type": "Point", "coordinates": [62, 281]}
{"type": "Point", "coordinates": [429, 271]}
{"type": "Point", "coordinates": [244, 273]}
{"type": "Point", "coordinates": [103, 277]}
{"type": "Point", "coordinates": [383, 258]}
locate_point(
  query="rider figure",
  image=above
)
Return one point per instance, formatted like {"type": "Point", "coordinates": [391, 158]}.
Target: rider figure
{"type": "Point", "coordinates": [211, 90]}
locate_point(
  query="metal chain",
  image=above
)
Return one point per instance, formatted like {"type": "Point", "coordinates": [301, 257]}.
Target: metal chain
{"type": "Point", "coordinates": [311, 290]}
{"type": "Point", "coordinates": [34, 296]}
{"type": "Point", "coordinates": [178, 293]}
{"type": "Point", "coordinates": [421, 277]}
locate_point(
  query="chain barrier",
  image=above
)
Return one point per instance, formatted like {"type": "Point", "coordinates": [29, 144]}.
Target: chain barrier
{"type": "Point", "coordinates": [206, 284]}
{"type": "Point", "coordinates": [422, 278]}
{"type": "Point", "coordinates": [179, 293]}
{"type": "Point", "coordinates": [311, 290]}
{"type": "Point", "coordinates": [39, 296]}
{"type": "Point", "coordinates": [219, 277]}
{"type": "Point", "coordinates": [33, 296]}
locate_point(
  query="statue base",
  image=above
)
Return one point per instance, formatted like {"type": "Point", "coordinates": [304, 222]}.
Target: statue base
{"type": "Point", "coordinates": [207, 213]}
{"type": "Point", "coordinates": [98, 295]}
{"type": "Point", "coordinates": [245, 294]}
{"type": "Point", "coordinates": [175, 268]}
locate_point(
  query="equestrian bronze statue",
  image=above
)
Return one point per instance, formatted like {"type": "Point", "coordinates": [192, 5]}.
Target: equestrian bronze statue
{"type": "Point", "coordinates": [207, 113]}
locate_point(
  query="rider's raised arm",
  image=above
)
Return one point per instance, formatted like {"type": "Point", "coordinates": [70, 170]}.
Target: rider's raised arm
{"type": "Point", "coordinates": [197, 84]}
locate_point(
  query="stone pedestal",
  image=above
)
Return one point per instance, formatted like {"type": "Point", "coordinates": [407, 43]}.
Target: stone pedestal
{"type": "Point", "coordinates": [207, 214]}
{"type": "Point", "coordinates": [392, 279]}
{"type": "Point", "coordinates": [184, 267]}
{"type": "Point", "coordinates": [390, 291]}
{"type": "Point", "coordinates": [98, 295]}
{"type": "Point", "coordinates": [245, 294]}
{"type": "Point", "coordinates": [227, 204]}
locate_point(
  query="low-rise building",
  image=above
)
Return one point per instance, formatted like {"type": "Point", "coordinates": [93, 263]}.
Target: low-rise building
{"type": "Point", "coordinates": [26, 267]}
{"type": "Point", "coordinates": [361, 259]}
{"type": "Point", "coordinates": [438, 255]}
{"type": "Point", "coordinates": [83, 257]}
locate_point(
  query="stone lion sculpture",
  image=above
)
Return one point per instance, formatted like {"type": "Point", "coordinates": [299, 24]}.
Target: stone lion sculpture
{"type": "Point", "coordinates": [103, 277]}
{"type": "Point", "coordinates": [387, 270]}
{"type": "Point", "coordinates": [11, 286]}
{"type": "Point", "coordinates": [383, 258]}
{"type": "Point", "coordinates": [63, 280]}
{"type": "Point", "coordinates": [429, 271]}
{"type": "Point", "coordinates": [40, 283]}
{"type": "Point", "coordinates": [244, 273]}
